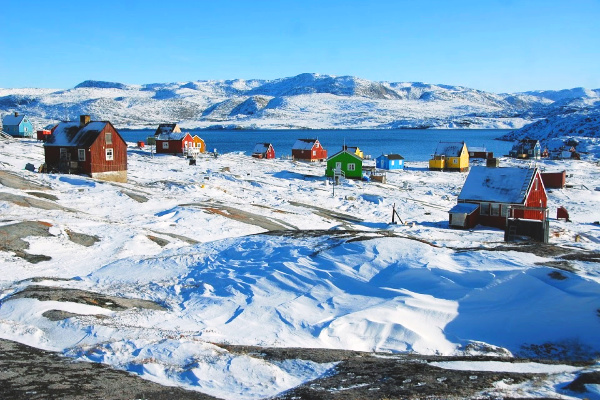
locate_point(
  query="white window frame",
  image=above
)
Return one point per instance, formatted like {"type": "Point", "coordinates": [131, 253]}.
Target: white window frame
{"type": "Point", "coordinates": [61, 152]}
{"type": "Point", "coordinates": [338, 165]}
{"type": "Point", "coordinates": [494, 209]}
{"type": "Point", "coordinates": [108, 137]}
{"type": "Point", "coordinates": [351, 167]}
{"type": "Point", "coordinates": [314, 152]}
{"type": "Point", "coordinates": [109, 154]}
{"type": "Point", "coordinates": [165, 145]}
{"type": "Point", "coordinates": [81, 154]}
{"type": "Point", "coordinates": [484, 208]}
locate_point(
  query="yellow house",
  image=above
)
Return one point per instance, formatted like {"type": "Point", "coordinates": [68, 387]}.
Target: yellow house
{"type": "Point", "coordinates": [199, 143]}
{"type": "Point", "coordinates": [450, 156]}
{"type": "Point", "coordinates": [354, 150]}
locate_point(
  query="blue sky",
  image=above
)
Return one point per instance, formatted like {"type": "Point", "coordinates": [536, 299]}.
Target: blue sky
{"type": "Point", "coordinates": [492, 45]}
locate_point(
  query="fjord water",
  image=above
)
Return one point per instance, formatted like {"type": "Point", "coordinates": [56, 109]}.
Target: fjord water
{"type": "Point", "coordinates": [412, 144]}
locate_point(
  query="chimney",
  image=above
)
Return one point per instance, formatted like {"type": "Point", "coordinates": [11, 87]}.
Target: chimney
{"type": "Point", "coordinates": [16, 113]}
{"type": "Point", "coordinates": [84, 120]}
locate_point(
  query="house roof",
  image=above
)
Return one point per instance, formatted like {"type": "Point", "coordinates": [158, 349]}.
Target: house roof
{"type": "Point", "coordinates": [473, 149]}
{"type": "Point", "coordinates": [261, 148]}
{"type": "Point", "coordinates": [11, 119]}
{"type": "Point", "coordinates": [172, 136]}
{"type": "Point", "coordinates": [72, 134]}
{"type": "Point", "coordinates": [347, 152]}
{"type": "Point", "coordinates": [498, 185]}
{"type": "Point", "coordinates": [464, 208]}
{"type": "Point", "coordinates": [165, 128]}
{"type": "Point", "coordinates": [449, 149]}
{"type": "Point", "coordinates": [392, 156]}
{"type": "Point", "coordinates": [304, 144]}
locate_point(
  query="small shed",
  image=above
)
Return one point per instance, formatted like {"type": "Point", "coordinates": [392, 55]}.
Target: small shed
{"type": "Point", "coordinates": [94, 148]}
{"type": "Point", "coordinates": [390, 161]}
{"type": "Point", "coordinates": [345, 163]}
{"type": "Point", "coordinates": [496, 190]}
{"type": "Point", "coordinates": [43, 134]}
{"type": "Point", "coordinates": [308, 150]}
{"type": "Point", "coordinates": [173, 143]}
{"type": "Point", "coordinates": [464, 215]}
{"type": "Point", "coordinates": [263, 150]}
{"type": "Point", "coordinates": [17, 125]}
{"type": "Point", "coordinates": [450, 156]}
{"type": "Point", "coordinates": [554, 180]}
{"type": "Point", "coordinates": [480, 153]}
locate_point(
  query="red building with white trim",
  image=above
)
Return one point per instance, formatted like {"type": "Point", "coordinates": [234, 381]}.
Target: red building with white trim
{"type": "Point", "coordinates": [308, 150]}
{"type": "Point", "coordinates": [94, 148]}
{"type": "Point", "coordinates": [496, 190]}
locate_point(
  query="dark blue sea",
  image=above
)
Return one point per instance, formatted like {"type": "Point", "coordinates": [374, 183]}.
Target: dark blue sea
{"type": "Point", "coordinates": [412, 144]}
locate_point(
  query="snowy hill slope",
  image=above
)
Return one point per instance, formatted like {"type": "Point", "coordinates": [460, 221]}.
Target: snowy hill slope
{"type": "Point", "coordinates": [236, 250]}
{"type": "Point", "coordinates": [304, 101]}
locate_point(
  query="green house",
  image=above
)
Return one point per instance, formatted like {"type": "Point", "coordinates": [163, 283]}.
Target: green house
{"type": "Point", "coordinates": [348, 163]}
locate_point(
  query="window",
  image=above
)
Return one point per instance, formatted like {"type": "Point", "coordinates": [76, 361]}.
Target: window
{"type": "Point", "coordinates": [392, 162]}
{"type": "Point", "coordinates": [108, 137]}
{"type": "Point", "coordinates": [109, 154]}
{"type": "Point", "coordinates": [314, 152]}
{"type": "Point", "coordinates": [81, 154]}
{"type": "Point", "coordinates": [63, 154]}
{"type": "Point", "coordinates": [494, 209]}
{"type": "Point", "coordinates": [504, 210]}
{"type": "Point", "coordinates": [338, 165]}
{"type": "Point", "coordinates": [455, 161]}
{"type": "Point", "coordinates": [351, 167]}
{"type": "Point", "coordinates": [484, 208]}
{"type": "Point", "coordinates": [165, 145]}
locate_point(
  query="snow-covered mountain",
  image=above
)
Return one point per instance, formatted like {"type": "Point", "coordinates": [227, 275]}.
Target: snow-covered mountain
{"type": "Point", "coordinates": [311, 101]}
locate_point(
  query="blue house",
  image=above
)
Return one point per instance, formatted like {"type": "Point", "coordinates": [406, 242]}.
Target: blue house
{"type": "Point", "coordinates": [389, 161]}
{"type": "Point", "coordinates": [17, 125]}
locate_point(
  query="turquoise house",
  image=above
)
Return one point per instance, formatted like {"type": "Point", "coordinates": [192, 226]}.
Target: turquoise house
{"type": "Point", "coordinates": [390, 161]}
{"type": "Point", "coordinates": [17, 125]}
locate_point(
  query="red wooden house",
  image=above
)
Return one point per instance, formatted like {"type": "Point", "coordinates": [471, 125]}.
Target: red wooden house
{"type": "Point", "coordinates": [173, 142]}
{"type": "Point", "coordinates": [263, 150]}
{"type": "Point", "coordinates": [496, 190]}
{"type": "Point", "coordinates": [94, 148]}
{"type": "Point", "coordinates": [308, 150]}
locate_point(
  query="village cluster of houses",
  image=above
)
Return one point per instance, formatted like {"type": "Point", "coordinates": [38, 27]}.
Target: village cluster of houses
{"type": "Point", "coordinates": [513, 199]}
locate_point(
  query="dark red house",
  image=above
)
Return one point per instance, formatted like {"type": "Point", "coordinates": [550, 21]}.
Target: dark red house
{"type": "Point", "coordinates": [94, 148]}
{"type": "Point", "coordinates": [496, 190]}
{"type": "Point", "coordinates": [173, 142]}
{"type": "Point", "coordinates": [308, 150]}
{"type": "Point", "coordinates": [263, 150]}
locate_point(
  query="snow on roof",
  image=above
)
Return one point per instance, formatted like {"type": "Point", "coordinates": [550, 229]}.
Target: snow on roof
{"type": "Point", "coordinates": [71, 134]}
{"type": "Point", "coordinates": [499, 185]}
{"type": "Point", "coordinates": [449, 149]}
{"type": "Point", "coordinates": [172, 136]}
{"type": "Point", "coordinates": [304, 144]}
{"type": "Point", "coordinates": [261, 148]}
{"type": "Point", "coordinates": [473, 149]}
{"type": "Point", "coordinates": [464, 208]}
{"type": "Point", "coordinates": [11, 119]}
{"type": "Point", "coordinates": [347, 152]}
{"type": "Point", "coordinates": [165, 128]}
{"type": "Point", "coordinates": [392, 156]}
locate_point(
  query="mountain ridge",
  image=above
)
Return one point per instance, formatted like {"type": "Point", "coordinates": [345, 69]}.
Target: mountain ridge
{"type": "Point", "coordinates": [304, 101]}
